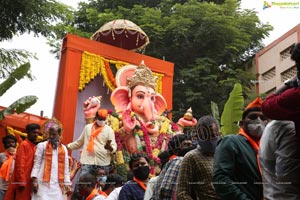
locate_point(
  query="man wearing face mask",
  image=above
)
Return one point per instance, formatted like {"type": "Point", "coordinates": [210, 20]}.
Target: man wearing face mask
{"type": "Point", "coordinates": [195, 175]}
{"type": "Point", "coordinates": [165, 187]}
{"type": "Point", "coordinates": [7, 162]}
{"type": "Point", "coordinates": [135, 189]}
{"type": "Point", "coordinates": [50, 173]}
{"type": "Point", "coordinates": [98, 142]}
{"type": "Point", "coordinates": [236, 172]}
{"type": "Point", "coordinates": [20, 185]}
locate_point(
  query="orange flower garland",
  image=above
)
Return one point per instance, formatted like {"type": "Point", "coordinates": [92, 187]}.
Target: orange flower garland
{"type": "Point", "coordinates": [110, 74]}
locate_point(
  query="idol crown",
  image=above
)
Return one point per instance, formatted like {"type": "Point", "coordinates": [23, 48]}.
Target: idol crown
{"type": "Point", "coordinates": [142, 76]}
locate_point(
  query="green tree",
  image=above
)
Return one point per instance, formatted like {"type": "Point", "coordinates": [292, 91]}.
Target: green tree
{"type": "Point", "coordinates": [41, 17]}
{"type": "Point", "coordinates": [210, 42]}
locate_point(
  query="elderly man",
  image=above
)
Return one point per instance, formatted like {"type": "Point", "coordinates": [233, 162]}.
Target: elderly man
{"type": "Point", "coordinates": [50, 173]}
{"type": "Point", "coordinates": [236, 173]}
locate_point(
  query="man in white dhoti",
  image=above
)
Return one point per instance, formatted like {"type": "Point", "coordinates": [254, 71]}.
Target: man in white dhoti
{"type": "Point", "coordinates": [50, 173]}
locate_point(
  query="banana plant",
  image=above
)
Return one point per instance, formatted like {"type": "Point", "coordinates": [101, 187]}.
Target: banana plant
{"type": "Point", "coordinates": [22, 103]}
{"type": "Point", "coordinates": [233, 110]}
{"type": "Point", "coordinates": [215, 110]}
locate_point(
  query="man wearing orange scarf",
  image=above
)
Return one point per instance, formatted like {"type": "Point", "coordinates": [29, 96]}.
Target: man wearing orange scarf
{"type": "Point", "coordinates": [135, 189]}
{"type": "Point", "coordinates": [50, 173]}
{"type": "Point", "coordinates": [20, 186]}
{"type": "Point", "coordinates": [87, 187]}
{"type": "Point", "coordinates": [7, 161]}
{"type": "Point", "coordinates": [236, 172]}
{"type": "Point", "coordinates": [98, 142]}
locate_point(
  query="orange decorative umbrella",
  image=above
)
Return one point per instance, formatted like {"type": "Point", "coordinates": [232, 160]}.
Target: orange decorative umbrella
{"type": "Point", "coordinates": [122, 33]}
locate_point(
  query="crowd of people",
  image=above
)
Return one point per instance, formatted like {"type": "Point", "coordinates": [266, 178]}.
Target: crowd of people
{"type": "Point", "coordinates": [260, 161]}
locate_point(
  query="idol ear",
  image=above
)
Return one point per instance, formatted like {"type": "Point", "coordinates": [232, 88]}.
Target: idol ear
{"type": "Point", "coordinates": [160, 104]}
{"type": "Point", "coordinates": [119, 98]}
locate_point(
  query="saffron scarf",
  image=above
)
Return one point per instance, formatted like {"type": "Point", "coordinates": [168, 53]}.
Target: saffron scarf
{"type": "Point", "coordinates": [48, 163]}
{"type": "Point", "coordinates": [141, 183]}
{"type": "Point", "coordinates": [103, 193]}
{"type": "Point", "coordinates": [254, 145]}
{"type": "Point", "coordinates": [94, 134]}
{"type": "Point", "coordinates": [6, 166]}
{"type": "Point", "coordinates": [92, 194]}
{"type": "Point", "coordinates": [172, 157]}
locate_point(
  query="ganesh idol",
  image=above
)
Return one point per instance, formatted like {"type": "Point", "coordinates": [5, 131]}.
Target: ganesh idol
{"type": "Point", "coordinates": [140, 108]}
{"type": "Point", "coordinates": [138, 120]}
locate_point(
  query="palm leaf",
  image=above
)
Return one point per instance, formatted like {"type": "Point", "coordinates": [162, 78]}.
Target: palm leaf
{"type": "Point", "coordinates": [19, 106]}
{"type": "Point", "coordinates": [233, 110]}
{"type": "Point", "coordinates": [17, 74]}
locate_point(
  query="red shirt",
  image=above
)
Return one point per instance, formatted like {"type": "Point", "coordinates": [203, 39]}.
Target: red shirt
{"type": "Point", "coordinates": [285, 106]}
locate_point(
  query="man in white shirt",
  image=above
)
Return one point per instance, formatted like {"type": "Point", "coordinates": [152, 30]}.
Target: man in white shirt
{"type": "Point", "coordinates": [50, 173]}
{"type": "Point", "coordinates": [98, 142]}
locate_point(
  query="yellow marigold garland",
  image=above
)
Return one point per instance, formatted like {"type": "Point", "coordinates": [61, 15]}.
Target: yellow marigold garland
{"type": "Point", "coordinates": [92, 65]}
{"type": "Point", "coordinates": [119, 157]}
{"type": "Point", "coordinates": [165, 126]}
{"type": "Point", "coordinates": [158, 82]}
{"type": "Point", "coordinates": [155, 152]}
{"type": "Point", "coordinates": [13, 132]}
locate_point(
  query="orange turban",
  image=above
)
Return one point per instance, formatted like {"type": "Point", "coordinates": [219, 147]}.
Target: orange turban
{"type": "Point", "coordinates": [102, 114]}
{"type": "Point", "coordinates": [255, 105]}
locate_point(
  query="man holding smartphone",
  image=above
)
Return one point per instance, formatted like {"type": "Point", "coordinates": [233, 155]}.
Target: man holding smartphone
{"type": "Point", "coordinates": [98, 142]}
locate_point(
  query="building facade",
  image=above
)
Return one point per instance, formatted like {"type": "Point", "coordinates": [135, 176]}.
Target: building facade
{"type": "Point", "coordinates": [273, 63]}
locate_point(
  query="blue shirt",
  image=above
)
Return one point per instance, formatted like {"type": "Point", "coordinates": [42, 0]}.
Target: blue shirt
{"type": "Point", "coordinates": [131, 191]}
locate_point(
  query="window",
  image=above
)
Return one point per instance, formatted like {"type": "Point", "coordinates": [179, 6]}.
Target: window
{"type": "Point", "coordinates": [288, 74]}
{"type": "Point", "coordinates": [269, 74]}
{"type": "Point", "coordinates": [285, 53]}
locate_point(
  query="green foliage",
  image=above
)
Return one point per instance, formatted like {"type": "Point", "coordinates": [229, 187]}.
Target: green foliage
{"type": "Point", "coordinates": [215, 110]}
{"type": "Point", "coordinates": [16, 75]}
{"type": "Point", "coordinates": [233, 111]}
{"type": "Point", "coordinates": [39, 17]}
{"type": "Point", "coordinates": [210, 42]}
{"type": "Point", "coordinates": [29, 16]}
{"type": "Point", "coordinates": [23, 103]}
{"type": "Point", "coordinates": [19, 106]}
{"type": "Point", "coordinates": [9, 59]}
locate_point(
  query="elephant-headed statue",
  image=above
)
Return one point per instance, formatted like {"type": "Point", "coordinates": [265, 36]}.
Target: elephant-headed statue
{"type": "Point", "coordinates": [138, 121]}
{"type": "Point", "coordinates": [140, 108]}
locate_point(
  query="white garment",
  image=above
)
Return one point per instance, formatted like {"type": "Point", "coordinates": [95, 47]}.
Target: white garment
{"type": "Point", "coordinates": [51, 190]}
{"type": "Point", "coordinates": [99, 197]}
{"type": "Point", "coordinates": [150, 188]}
{"type": "Point", "coordinates": [114, 195]}
{"type": "Point", "coordinates": [100, 156]}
